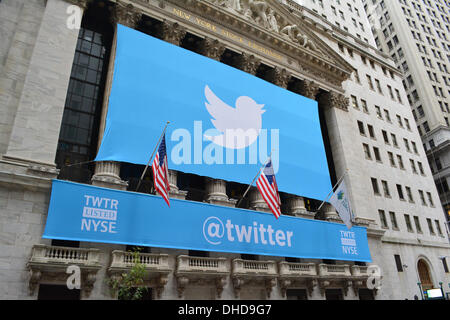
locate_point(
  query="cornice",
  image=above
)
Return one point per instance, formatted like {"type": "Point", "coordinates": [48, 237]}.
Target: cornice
{"type": "Point", "coordinates": [320, 65]}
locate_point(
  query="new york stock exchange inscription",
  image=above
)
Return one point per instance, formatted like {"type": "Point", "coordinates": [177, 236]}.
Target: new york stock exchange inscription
{"type": "Point", "coordinates": [229, 35]}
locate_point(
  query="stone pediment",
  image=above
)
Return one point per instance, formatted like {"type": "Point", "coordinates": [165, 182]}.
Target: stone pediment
{"type": "Point", "coordinates": [264, 28]}
{"type": "Point", "coordinates": [290, 34]}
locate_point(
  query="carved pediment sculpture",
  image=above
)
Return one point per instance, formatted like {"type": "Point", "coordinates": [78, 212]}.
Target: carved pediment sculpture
{"type": "Point", "coordinates": [262, 14]}
{"type": "Point", "coordinates": [285, 29]}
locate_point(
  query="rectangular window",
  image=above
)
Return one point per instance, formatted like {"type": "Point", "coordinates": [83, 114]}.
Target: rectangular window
{"type": "Point", "coordinates": [398, 263]}
{"type": "Point", "coordinates": [383, 219]}
{"type": "Point", "coordinates": [430, 226]}
{"type": "Point", "coordinates": [375, 188]}
{"type": "Point", "coordinates": [417, 223]}
{"type": "Point", "coordinates": [444, 264]}
{"type": "Point", "coordinates": [400, 192]}
{"type": "Point", "coordinates": [361, 128]}
{"type": "Point", "coordinates": [408, 223]}
{"type": "Point", "coordinates": [393, 220]}
{"type": "Point", "coordinates": [438, 227]}
{"type": "Point", "coordinates": [430, 199]}
{"type": "Point", "coordinates": [367, 151]}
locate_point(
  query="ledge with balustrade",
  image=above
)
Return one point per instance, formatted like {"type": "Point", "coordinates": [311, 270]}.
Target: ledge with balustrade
{"type": "Point", "coordinates": [295, 274]}
{"type": "Point", "coordinates": [253, 272]}
{"type": "Point", "coordinates": [50, 264]}
{"type": "Point", "coordinates": [201, 271]}
{"type": "Point", "coordinates": [156, 265]}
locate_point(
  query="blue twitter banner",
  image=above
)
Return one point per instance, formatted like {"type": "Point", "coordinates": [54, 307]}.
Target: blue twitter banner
{"type": "Point", "coordinates": [224, 123]}
{"type": "Point", "coordinates": [81, 212]}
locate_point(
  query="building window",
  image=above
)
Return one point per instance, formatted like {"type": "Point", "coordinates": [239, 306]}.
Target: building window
{"type": "Point", "coordinates": [417, 223]}
{"type": "Point", "coordinates": [367, 151]}
{"type": "Point", "coordinates": [430, 226]}
{"type": "Point", "coordinates": [393, 220]}
{"type": "Point", "coordinates": [383, 219]}
{"type": "Point", "coordinates": [398, 263]}
{"type": "Point", "coordinates": [375, 188]}
{"type": "Point", "coordinates": [408, 223]}
{"type": "Point", "coordinates": [400, 192]}
{"type": "Point", "coordinates": [444, 264]}
{"type": "Point", "coordinates": [80, 123]}
{"type": "Point", "coordinates": [438, 227]}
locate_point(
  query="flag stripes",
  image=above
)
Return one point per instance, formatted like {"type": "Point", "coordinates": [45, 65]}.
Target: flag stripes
{"type": "Point", "coordinates": [161, 172]}
{"type": "Point", "coordinates": [267, 186]}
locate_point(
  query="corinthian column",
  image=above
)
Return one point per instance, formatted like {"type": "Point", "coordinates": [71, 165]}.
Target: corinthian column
{"type": "Point", "coordinates": [172, 32]}
{"type": "Point", "coordinates": [216, 190]}
{"type": "Point", "coordinates": [279, 77]}
{"type": "Point", "coordinates": [212, 48]}
{"type": "Point", "coordinates": [247, 63]}
{"type": "Point", "coordinates": [308, 89]}
{"type": "Point", "coordinates": [107, 173]}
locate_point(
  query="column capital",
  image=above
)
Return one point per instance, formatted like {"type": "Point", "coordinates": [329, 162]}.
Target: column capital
{"type": "Point", "coordinates": [172, 32]}
{"type": "Point", "coordinates": [248, 63]}
{"type": "Point", "coordinates": [308, 89]}
{"type": "Point", "coordinates": [126, 14]}
{"type": "Point", "coordinates": [280, 77]}
{"type": "Point", "coordinates": [212, 48]}
{"type": "Point", "coordinates": [336, 100]}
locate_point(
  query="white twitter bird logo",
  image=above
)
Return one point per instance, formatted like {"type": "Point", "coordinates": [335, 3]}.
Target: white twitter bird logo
{"type": "Point", "coordinates": [240, 126]}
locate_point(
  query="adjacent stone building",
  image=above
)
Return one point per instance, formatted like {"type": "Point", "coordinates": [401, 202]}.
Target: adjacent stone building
{"type": "Point", "coordinates": [55, 81]}
{"type": "Point", "coordinates": [415, 36]}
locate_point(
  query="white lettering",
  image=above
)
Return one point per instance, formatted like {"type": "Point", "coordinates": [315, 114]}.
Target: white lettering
{"type": "Point", "coordinates": [244, 232]}
{"type": "Point", "coordinates": [280, 237]}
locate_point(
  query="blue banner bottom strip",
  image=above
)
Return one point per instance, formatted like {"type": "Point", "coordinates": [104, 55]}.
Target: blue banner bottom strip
{"type": "Point", "coordinates": [81, 212]}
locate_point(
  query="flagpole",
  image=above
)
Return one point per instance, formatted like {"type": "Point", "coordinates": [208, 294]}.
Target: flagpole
{"type": "Point", "coordinates": [250, 185]}
{"type": "Point", "coordinates": [148, 163]}
{"type": "Point", "coordinates": [332, 190]}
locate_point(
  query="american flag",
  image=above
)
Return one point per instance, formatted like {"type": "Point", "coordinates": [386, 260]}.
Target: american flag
{"type": "Point", "coordinates": [161, 171]}
{"type": "Point", "coordinates": [268, 188]}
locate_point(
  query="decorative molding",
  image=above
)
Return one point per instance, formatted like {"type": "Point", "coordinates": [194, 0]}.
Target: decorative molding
{"type": "Point", "coordinates": [50, 263]}
{"type": "Point", "coordinates": [335, 100]}
{"type": "Point", "coordinates": [280, 77]}
{"type": "Point", "coordinates": [201, 271]}
{"type": "Point", "coordinates": [172, 32]}
{"type": "Point", "coordinates": [308, 89]}
{"type": "Point", "coordinates": [262, 24]}
{"type": "Point", "coordinates": [212, 48]}
{"type": "Point", "coordinates": [126, 14]}
{"type": "Point", "coordinates": [247, 63]}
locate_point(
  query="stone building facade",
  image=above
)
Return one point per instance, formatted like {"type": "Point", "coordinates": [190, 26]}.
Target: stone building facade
{"type": "Point", "coordinates": [416, 37]}
{"type": "Point", "coordinates": [55, 81]}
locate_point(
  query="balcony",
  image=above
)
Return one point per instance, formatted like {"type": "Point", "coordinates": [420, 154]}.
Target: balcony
{"type": "Point", "coordinates": [201, 270]}
{"type": "Point", "coordinates": [294, 275]}
{"type": "Point", "coordinates": [331, 271]}
{"type": "Point", "coordinates": [156, 266]}
{"type": "Point", "coordinates": [50, 264]}
{"type": "Point", "coordinates": [334, 275]}
{"type": "Point", "coordinates": [262, 273]}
